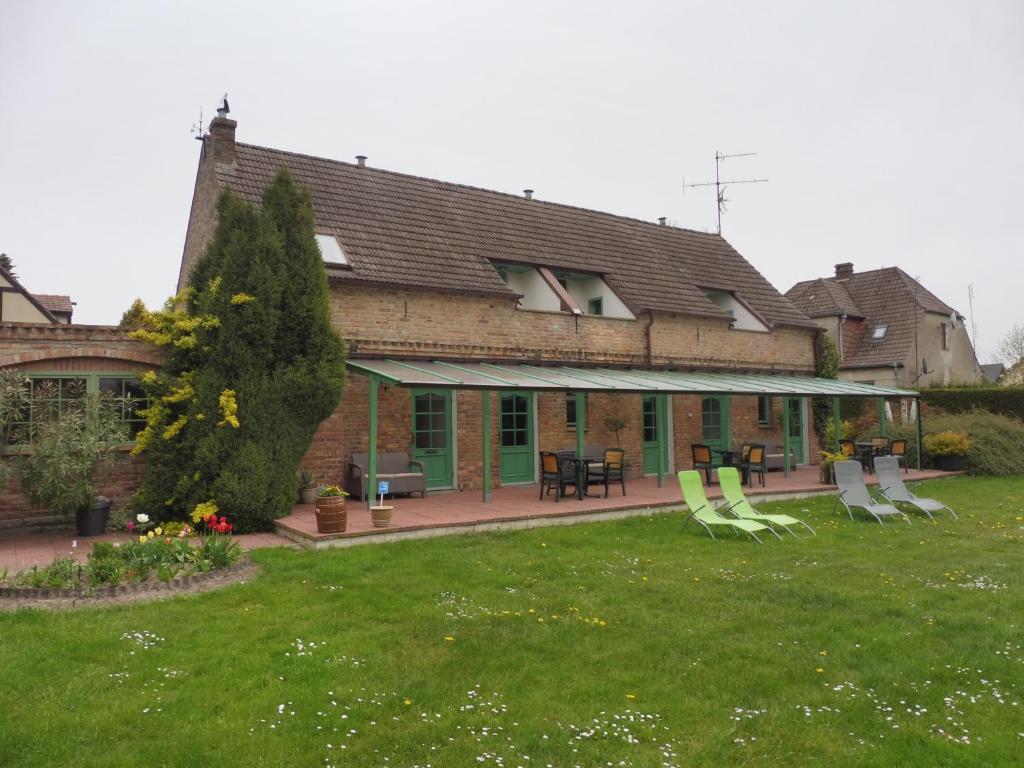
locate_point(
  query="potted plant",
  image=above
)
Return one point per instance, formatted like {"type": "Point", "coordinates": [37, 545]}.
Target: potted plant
{"type": "Point", "coordinates": [380, 514]}
{"type": "Point", "coordinates": [331, 516]}
{"type": "Point", "coordinates": [825, 473]}
{"type": "Point", "coordinates": [948, 449]}
{"type": "Point", "coordinates": [307, 487]}
{"type": "Point", "coordinates": [67, 452]}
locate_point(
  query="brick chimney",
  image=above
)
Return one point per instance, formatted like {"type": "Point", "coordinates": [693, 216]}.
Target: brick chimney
{"type": "Point", "coordinates": [222, 139]}
{"type": "Point", "coordinates": [844, 271]}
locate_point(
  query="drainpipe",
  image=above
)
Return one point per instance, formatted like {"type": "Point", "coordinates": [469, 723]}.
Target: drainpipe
{"type": "Point", "coordinates": [842, 321]}
{"type": "Point", "coordinates": [647, 338]}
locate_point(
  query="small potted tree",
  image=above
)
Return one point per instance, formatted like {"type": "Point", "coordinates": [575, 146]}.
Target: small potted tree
{"type": "Point", "coordinates": [307, 487]}
{"type": "Point", "coordinates": [949, 450]}
{"type": "Point", "coordinates": [331, 516]}
{"type": "Point", "coordinates": [67, 452]}
{"type": "Point", "coordinates": [826, 471]}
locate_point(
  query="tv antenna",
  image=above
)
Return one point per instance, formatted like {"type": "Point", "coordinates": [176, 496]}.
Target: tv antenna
{"type": "Point", "coordinates": [197, 128]}
{"type": "Point", "coordinates": [720, 186]}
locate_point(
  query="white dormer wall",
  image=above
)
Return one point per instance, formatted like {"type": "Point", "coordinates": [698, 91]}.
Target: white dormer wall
{"type": "Point", "coordinates": [537, 294]}
{"type": "Point", "coordinates": [583, 289]}
{"type": "Point", "coordinates": [743, 318]}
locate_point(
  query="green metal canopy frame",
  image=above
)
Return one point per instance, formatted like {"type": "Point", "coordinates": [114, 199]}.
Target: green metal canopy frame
{"type": "Point", "coordinates": [487, 377]}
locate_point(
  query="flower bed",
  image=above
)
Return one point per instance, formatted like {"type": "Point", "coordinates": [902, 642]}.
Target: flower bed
{"type": "Point", "coordinates": [158, 557]}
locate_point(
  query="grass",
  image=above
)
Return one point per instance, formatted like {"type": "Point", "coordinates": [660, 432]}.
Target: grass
{"type": "Point", "coordinates": [629, 643]}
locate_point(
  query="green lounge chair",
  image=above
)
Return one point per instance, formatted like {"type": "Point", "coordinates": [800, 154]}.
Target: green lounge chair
{"type": "Point", "coordinates": [732, 489]}
{"type": "Point", "coordinates": [702, 512]}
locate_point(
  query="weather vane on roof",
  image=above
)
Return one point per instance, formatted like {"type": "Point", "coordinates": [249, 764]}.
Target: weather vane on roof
{"type": "Point", "coordinates": [719, 185]}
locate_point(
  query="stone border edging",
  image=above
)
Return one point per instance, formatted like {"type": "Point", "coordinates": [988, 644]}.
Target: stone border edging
{"type": "Point", "coordinates": [179, 584]}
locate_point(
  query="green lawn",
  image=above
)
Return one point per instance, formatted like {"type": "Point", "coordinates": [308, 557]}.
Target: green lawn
{"type": "Point", "coordinates": [631, 643]}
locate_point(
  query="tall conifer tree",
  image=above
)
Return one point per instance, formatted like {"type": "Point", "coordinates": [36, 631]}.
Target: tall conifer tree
{"type": "Point", "coordinates": [254, 366]}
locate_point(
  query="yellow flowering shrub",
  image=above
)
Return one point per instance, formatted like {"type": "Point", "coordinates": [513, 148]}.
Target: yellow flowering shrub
{"type": "Point", "coordinates": [205, 509]}
{"type": "Point", "coordinates": [228, 409]}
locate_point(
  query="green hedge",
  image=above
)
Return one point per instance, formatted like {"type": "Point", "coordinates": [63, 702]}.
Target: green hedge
{"type": "Point", "coordinates": [1008, 401]}
{"type": "Point", "coordinates": [997, 441]}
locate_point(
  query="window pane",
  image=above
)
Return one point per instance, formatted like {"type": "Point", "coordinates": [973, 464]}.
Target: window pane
{"type": "Point", "coordinates": [423, 440]}
{"type": "Point", "coordinates": [112, 386]}
{"type": "Point", "coordinates": [507, 421]}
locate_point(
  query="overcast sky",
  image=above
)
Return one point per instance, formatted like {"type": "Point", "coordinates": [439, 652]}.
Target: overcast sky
{"type": "Point", "coordinates": [892, 134]}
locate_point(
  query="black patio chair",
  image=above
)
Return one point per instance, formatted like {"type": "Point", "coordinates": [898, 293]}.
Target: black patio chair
{"type": "Point", "coordinates": [754, 463]}
{"type": "Point", "coordinates": [702, 460]}
{"type": "Point", "coordinates": [612, 470]}
{"type": "Point", "coordinates": [898, 448]}
{"type": "Point", "coordinates": [558, 473]}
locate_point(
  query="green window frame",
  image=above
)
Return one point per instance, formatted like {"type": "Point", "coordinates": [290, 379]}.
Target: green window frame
{"type": "Point", "coordinates": [595, 306]}
{"type": "Point", "coordinates": [570, 408]}
{"type": "Point", "coordinates": [764, 411]}
{"type": "Point", "coordinates": [55, 393]}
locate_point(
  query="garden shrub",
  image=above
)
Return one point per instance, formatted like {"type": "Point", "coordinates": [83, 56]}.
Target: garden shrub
{"type": "Point", "coordinates": [996, 441]}
{"type": "Point", "coordinates": [253, 367]}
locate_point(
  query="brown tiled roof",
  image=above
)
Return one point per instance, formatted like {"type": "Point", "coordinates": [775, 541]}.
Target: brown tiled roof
{"type": "Point", "coordinates": [54, 303]}
{"type": "Point", "coordinates": [823, 298]}
{"type": "Point", "coordinates": [406, 231]}
{"type": "Point", "coordinates": [886, 296]}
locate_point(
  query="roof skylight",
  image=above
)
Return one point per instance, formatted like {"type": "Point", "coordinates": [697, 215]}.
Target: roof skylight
{"type": "Point", "coordinates": [330, 250]}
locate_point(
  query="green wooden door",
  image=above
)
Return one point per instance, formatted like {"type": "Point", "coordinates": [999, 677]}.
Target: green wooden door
{"type": "Point", "coordinates": [432, 434]}
{"type": "Point", "coordinates": [515, 438]}
{"type": "Point", "coordinates": [655, 431]}
{"type": "Point", "coordinates": [796, 428]}
{"type": "Point", "coordinates": [714, 413]}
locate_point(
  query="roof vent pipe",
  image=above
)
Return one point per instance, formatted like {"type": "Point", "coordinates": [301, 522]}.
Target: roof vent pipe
{"type": "Point", "coordinates": [662, 220]}
{"type": "Point", "coordinates": [528, 193]}
{"type": "Point", "coordinates": [361, 160]}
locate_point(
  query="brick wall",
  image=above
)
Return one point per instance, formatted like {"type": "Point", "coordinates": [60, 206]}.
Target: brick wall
{"type": "Point", "coordinates": [48, 347]}
{"type": "Point", "coordinates": [346, 431]}
{"type": "Point", "coordinates": [118, 483]}
{"type": "Point", "coordinates": [389, 322]}
{"type": "Point", "coordinates": [69, 348]}
{"type": "Point", "coordinates": [202, 220]}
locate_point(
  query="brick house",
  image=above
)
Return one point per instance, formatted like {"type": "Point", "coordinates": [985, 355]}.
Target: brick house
{"type": "Point", "coordinates": [425, 271]}
{"type": "Point", "coordinates": [890, 330]}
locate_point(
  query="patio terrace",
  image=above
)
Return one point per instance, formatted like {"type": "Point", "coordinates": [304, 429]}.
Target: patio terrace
{"type": "Point", "coordinates": [452, 512]}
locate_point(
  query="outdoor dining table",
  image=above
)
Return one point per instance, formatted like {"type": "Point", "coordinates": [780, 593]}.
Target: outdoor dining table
{"type": "Point", "coordinates": [583, 473]}
{"type": "Point", "coordinates": [729, 457]}
{"type": "Point", "coordinates": [866, 451]}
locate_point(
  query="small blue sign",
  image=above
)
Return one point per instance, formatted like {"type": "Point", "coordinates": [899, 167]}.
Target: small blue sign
{"type": "Point", "coordinates": [382, 487]}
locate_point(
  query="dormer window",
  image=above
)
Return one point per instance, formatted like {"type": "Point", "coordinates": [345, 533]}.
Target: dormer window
{"type": "Point", "coordinates": [742, 317]}
{"type": "Point", "coordinates": [330, 250]}
{"type": "Point", "coordinates": [546, 290]}
{"type": "Point", "coordinates": [878, 332]}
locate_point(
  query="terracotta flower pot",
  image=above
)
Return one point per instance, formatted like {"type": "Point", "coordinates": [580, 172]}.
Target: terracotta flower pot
{"type": "Point", "coordinates": [331, 516]}
{"type": "Point", "coordinates": [307, 495]}
{"type": "Point", "coordinates": [381, 515]}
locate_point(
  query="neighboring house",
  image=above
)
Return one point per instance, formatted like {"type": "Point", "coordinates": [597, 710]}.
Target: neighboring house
{"type": "Point", "coordinates": [889, 329]}
{"type": "Point", "coordinates": [992, 371]}
{"type": "Point", "coordinates": [17, 305]}
{"type": "Point", "coordinates": [61, 307]}
{"type": "Point", "coordinates": [422, 270]}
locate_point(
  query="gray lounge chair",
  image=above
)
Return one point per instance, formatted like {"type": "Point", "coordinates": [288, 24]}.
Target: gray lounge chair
{"type": "Point", "coordinates": [887, 470]}
{"type": "Point", "coordinates": [854, 493]}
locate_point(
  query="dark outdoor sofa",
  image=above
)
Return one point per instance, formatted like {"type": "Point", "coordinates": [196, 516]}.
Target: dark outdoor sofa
{"type": "Point", "coordinates": [404, 475]}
